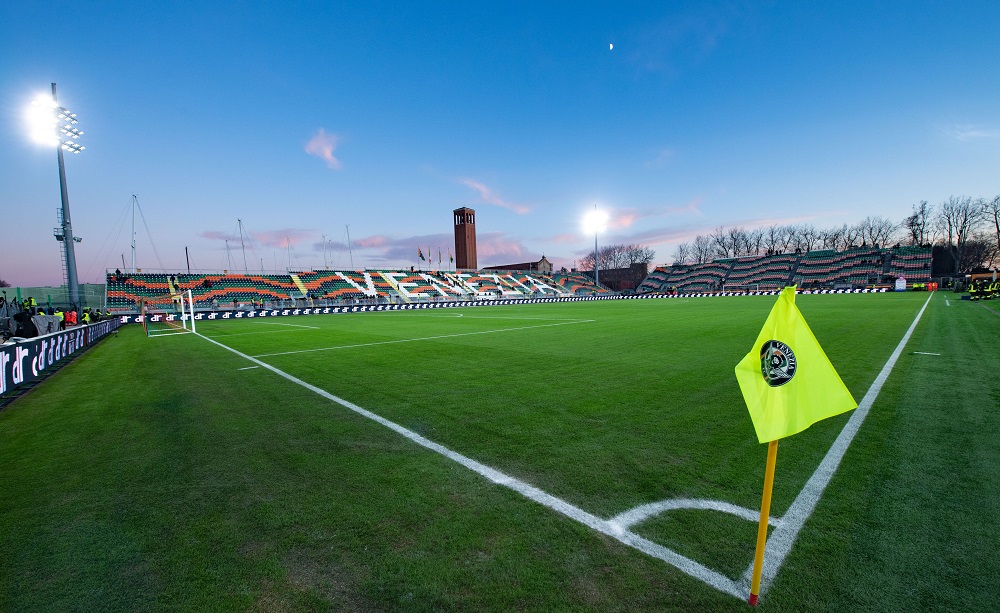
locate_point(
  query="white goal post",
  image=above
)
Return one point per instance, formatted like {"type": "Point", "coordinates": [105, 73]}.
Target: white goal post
{"type": "Point", "coordinates": [176, 319]}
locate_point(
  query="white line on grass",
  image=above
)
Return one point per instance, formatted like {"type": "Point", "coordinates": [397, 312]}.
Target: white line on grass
{"type": "Point", "coordinates": [642, 513]}
{"type": "Point", "coordinates": [248, 368]}
{"type": "Point", "coordinates": [278, 323]}
{"type": "Point", "coordinates": [514, 318]}
{"type": "Point", "coordinates": [924, 353]}
{"type": "Point", "coordinates": [425, 338]}
{"type": "Point", "coordinates": [778, 546]}
{"type": "Point", "coordinates": [947, 302]}
{"type": "Point", "coordinates": [608, 527]}
{"type": "Point", "coordinates": [781, 540]}
{"type": "Point", "coordinates": [989, 309]}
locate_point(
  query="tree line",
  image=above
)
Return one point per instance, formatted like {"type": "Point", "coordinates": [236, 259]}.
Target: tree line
{"type": "Point", "coordinates": [967, 229]}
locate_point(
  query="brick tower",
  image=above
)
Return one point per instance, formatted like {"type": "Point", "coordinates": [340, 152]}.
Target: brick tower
{"type": "Point", "coordinates": [465, 238]}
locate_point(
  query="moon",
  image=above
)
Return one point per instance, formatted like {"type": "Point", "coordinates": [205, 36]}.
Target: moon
{"type": "Point", "coordinates": [611, 46]}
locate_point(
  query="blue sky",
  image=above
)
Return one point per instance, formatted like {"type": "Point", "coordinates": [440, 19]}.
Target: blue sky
{"type": "Point", "coordinates": [301, 119]}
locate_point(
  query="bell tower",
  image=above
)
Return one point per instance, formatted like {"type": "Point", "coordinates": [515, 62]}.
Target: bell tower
{"type": "Point", "coordinates": [465, 238]}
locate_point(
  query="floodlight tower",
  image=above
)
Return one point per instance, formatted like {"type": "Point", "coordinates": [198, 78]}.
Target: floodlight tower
{"type": "Point", "coordinates": [50, 113]}
{"type": "Point", "coordinates": [595, 222]}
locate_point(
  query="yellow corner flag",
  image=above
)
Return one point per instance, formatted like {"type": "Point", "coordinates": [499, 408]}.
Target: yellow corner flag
{"type": "Point", "coordinates": [788, 384]}
{"type": "Point", "coordinates": [787, 381]}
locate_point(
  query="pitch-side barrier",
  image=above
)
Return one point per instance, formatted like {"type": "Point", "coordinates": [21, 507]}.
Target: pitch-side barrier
{"type": "Point", "coordinates": [412, 306]}
{"type": "Point", "coordinates": [25, 362]}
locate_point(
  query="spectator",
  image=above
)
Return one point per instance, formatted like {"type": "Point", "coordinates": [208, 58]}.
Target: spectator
{"type": "Point", "coordinates": [25, 327]}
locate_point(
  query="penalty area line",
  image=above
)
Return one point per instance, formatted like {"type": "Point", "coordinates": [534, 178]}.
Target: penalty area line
{"type": "Point", "coordinates": [425, 338]}
{"type": "Point", "coordinates": [612, 528]}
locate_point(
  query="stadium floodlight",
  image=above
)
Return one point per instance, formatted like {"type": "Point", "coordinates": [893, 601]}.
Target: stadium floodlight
{"type": "Point", "coordinates": [48, 124]}
{"type": "Point", "coordinates": [596, 221]}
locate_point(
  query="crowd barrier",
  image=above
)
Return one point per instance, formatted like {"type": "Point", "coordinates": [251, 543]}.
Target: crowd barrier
{"type": "Point", "coordinates": [24, 362]}
{"type": "Point", "coordinates": [410, 306]}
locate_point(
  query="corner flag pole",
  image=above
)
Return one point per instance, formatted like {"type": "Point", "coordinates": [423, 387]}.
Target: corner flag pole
{"type": "Point", "coordinates": [765, 513]}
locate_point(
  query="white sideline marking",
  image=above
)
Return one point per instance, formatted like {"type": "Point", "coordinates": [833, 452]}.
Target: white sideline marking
{"type": "Point", "coordinates": [608, 527]}
{"type": "Point", "coordinates": [779, 545]}
{"type": "Point", "coordinates": [259, 332]}
{"type": "Point", "coordinates": [514, 318]}
{"type": "Point", "coordinates": [781, 540]}
{"type": "Point", "coordinates": [277, 323]}
{"type": "Point", "coordinates": [947, 302]}
{"type": "Point", "coordinates": [248, 368]}
{"type": "Point", "coordinates": [425, 338]}
{"type": "Point", "coordinates": [924, 353]}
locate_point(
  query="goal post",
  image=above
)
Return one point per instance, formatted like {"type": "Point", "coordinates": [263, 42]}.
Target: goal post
{"type": "Point", "coordinates": [177, 318]}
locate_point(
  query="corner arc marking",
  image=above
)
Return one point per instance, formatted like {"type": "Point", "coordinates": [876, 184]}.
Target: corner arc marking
{"type": "Point", "coordinates": [643, 512]}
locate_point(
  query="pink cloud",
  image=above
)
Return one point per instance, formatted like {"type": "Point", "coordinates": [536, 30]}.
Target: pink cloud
{"type": "Point", "coordinates": [693, 206]}
{"type": "Point", "coordinates": [564, 238]}
{"type": "Point", "coordinates": [282, 238]}
{"type": "Point", "coordinates": [322, 145]}
{"type": "Point", "coordinates": [623, 219]}
{"type": "Point", "coordinates": [214, 235]}
{"type": "Point", "coordinates": [372, 242]}
{"type": "Point", "coordinates": [487, 195]}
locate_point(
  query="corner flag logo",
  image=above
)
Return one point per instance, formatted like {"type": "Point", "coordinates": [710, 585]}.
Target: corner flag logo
{"type": "Point", "coordinates": [777, 363]}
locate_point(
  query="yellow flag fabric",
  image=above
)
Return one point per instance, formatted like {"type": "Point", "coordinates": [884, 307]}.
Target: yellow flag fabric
{"type": "Point", "coordinates": [787, 381]}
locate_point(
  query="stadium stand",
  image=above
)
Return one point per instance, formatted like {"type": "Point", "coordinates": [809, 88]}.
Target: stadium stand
{"type": "Point", "coordinates": [125, 291]}
{"type": "Point", "coordinates": [762, 272]}
{"type": "Point", "coordinates": [697, 277]}
{"type": "Point", "coordinates": [655, 281]}
{"type": "Point", "coordinates": [911, 263]}
{"type": "Point", "coordinates": [861, 266]}
{"type": "Point", "coordinates": [856, 267]}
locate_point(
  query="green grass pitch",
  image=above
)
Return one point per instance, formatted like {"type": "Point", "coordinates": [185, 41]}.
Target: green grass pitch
{"type": "Point", "coordinates": [172, 474]}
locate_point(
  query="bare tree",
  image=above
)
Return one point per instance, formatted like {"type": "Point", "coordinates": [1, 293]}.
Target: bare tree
{"type": "Point", "coordinates": [957, 220]}
{"type": "Point", "coordinates": [755, 240]}
{"type": "Point", "coordinates": [772, 239]}
{"type": "Point", "coordinates": [4, 283]}
{"type": "Point", "coordinates": [682, 254]}
{"type": "Point", "coordinates": [810, 237]}
{"type": "Point", "coordinates": [918, 225]}
{"type": "Point", "coordinates": [720, 242]}
{"type": "Point", "coordinates": [739, 241]}
{"type": "Point", "coordinates": [831, 238]}
{"type": "Point", "coordinates": [852, 237]}
{"type": "Point", "coordinates": [992, 211]}
{"type": "Point", "coordinates": [876, 231]}
{"type": "Point", "coordinates": [703, 249]}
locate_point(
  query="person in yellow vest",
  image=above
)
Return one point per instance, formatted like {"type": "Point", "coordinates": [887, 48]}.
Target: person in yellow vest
{"type": "Point", "coordinates": [86, 317]}
{"type": "Point", "coordinates": [31, 304]}
{"type": "Point", "coordinates": [62, 318]}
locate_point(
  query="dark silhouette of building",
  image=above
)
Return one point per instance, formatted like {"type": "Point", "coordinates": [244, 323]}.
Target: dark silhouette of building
{"type": "Point", "coordinates": [542, 266]}
{"type": "Point", "coordinates": [465, 238]}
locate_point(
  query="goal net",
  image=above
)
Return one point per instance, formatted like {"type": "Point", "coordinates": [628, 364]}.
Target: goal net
{"type": "Point", "coordinates": [175, 318]}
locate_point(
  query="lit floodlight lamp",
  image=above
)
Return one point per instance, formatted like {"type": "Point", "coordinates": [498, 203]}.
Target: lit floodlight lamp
{"type": "Point", "coordinates": [595, 222]}
{"type": "Point", "coordinates": [42, 121]}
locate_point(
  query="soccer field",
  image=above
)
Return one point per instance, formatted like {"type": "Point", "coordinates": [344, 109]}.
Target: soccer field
{"type": "Point", "coordinates": [574, 456]}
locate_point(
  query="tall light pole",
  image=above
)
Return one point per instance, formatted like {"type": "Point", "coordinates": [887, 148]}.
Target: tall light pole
{"type": "Point", "coordinates": [595, 222]}
{"type": "Point", "coordinates": [55, 125]}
